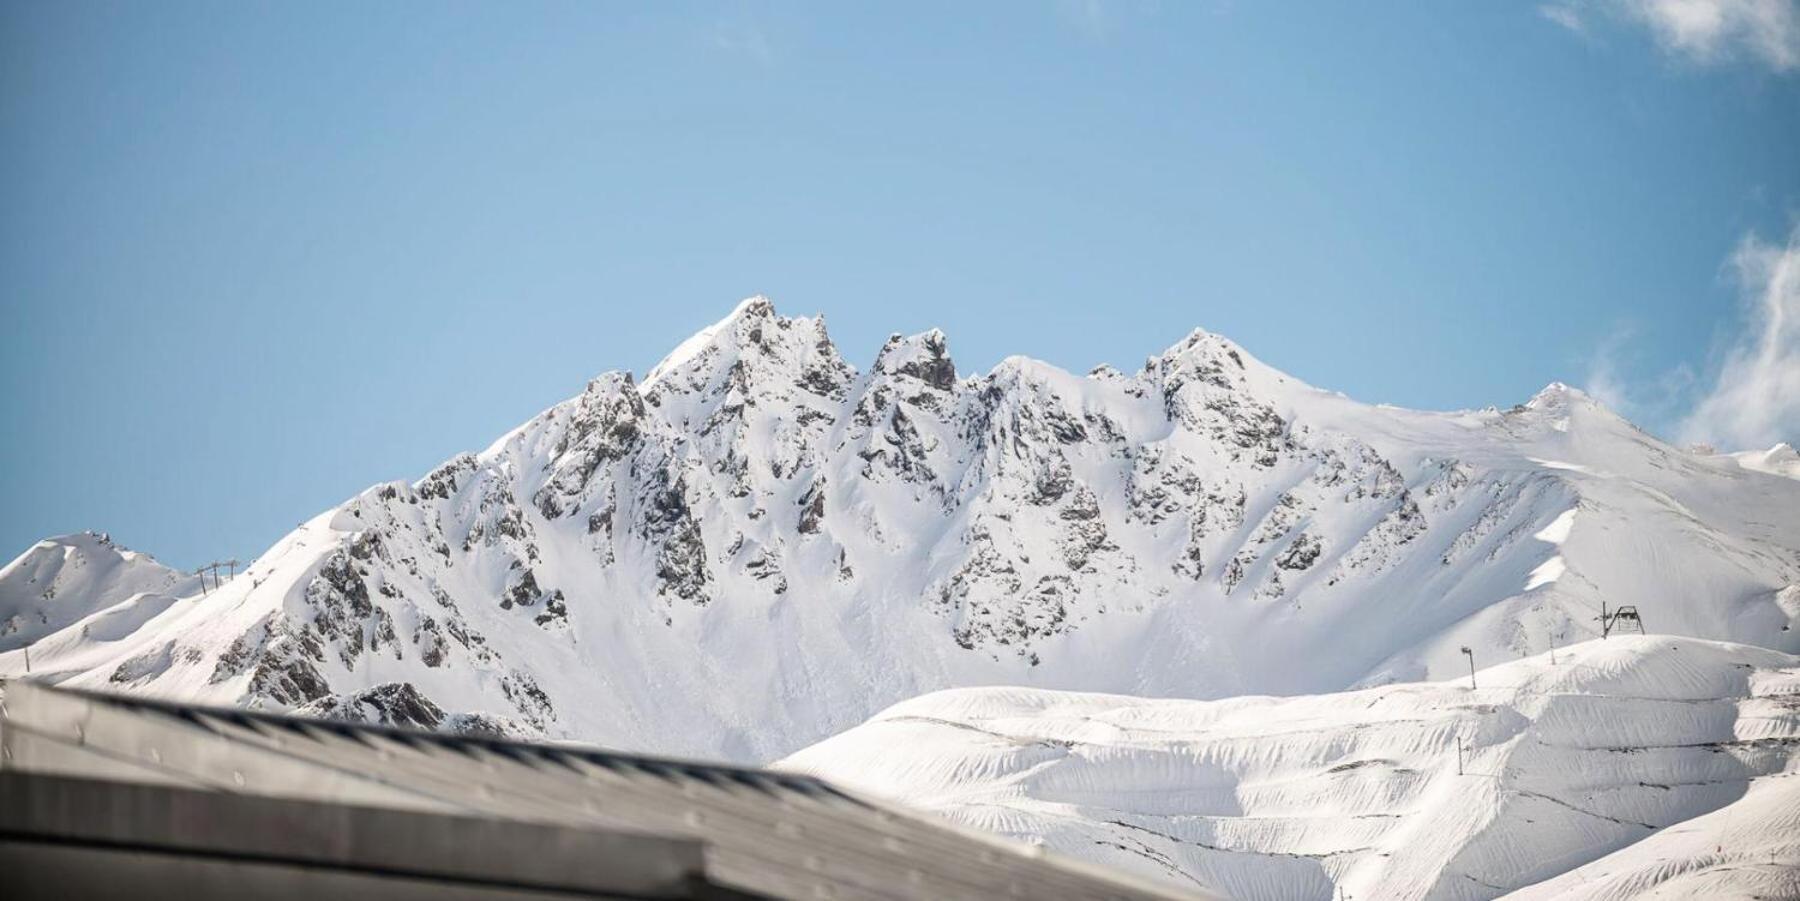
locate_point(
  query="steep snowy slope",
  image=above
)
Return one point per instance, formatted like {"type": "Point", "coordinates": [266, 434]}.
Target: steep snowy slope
{"type": "Point", "coordinates": [1623, 743]}
{"type": "Point", "coordinates": [84, 582]}
{"type": "Point", "coordinates": [759, 546]}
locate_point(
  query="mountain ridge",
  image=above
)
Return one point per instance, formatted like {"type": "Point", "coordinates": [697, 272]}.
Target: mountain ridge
{"type": "Point", "coordinates": [759, 545]}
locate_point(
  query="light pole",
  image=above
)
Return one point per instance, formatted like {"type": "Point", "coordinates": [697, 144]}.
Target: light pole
{"type": "Point", "coordinates": [1471, 656]}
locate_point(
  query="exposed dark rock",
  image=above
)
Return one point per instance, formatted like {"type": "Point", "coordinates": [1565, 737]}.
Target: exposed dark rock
{"type": "Point", "coordinates": [1301, 553]}
{"type": "Point", "coordinates": [812, 508]}
{"type": "Point", "coordinates": [398, 704]}
{"type": "Point", "coordinates": [926, 358]}
{"type": "Point", "coordinates": [556, 611]}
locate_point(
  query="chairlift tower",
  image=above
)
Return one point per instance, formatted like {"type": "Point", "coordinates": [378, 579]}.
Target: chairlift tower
{"type": "Point", "coordinates": [213, 567]}
{"type": "Point", "coordinates": [1625, 617]}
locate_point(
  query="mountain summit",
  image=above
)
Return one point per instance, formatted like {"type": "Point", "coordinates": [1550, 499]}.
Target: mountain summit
{"type": "Point", "coordinates": [757, 546]}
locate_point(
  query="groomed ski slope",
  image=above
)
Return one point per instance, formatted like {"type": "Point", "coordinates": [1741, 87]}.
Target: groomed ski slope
{"type": "Point", "coordinates": [1641, 755]}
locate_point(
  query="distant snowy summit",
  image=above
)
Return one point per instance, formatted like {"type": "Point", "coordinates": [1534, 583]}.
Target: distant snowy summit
{"type": "Point", "coordinates": [81, 578]}
{"type": "Point", "coordinates": [759, 545]}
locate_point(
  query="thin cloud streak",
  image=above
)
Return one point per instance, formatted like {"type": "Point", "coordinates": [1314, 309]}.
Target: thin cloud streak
{"type": "Point", "coordinates": [1702, 31]}
{"type": "Point", "coordinates": [1565, 16]}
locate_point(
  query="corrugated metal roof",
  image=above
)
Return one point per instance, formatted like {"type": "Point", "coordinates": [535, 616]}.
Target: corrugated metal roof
{"type": "Point", "coordinates": [760, 832]}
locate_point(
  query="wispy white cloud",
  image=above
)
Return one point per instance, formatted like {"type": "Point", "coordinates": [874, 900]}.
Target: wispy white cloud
{"type": "Point", "coordinates": [1661, 399]}
{"type": "Point", "coordinates": [1100, 19]}
{"type": "Point", "coordinates": [1566, 16]}
{"type": "Point", "coordinates": [1604, 382]}
{"type": "Point", "coordinates": [1754, 401]}
{"type": "Point", "coordinates": [1090, 17]}
{"type": "Point", "coordinates": [743, 38]}
{"type": "Point", "coordinates": [1705, 31]}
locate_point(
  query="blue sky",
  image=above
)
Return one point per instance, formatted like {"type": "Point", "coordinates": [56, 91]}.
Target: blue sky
{"type": "Point", "coordinates": [256, 257]}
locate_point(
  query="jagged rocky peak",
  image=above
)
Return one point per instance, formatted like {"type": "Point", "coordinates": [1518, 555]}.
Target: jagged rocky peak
{"type": "Point", "coordinates": [925, 356]}
{"type": "Point", "coordinates": [1203, 357]}
{"type": "Point", "coordinates": [604, 424]}
{"type": "Point", "coordinates": [752, 543]}
{"type": "Point", "coordinates": [753, 346]}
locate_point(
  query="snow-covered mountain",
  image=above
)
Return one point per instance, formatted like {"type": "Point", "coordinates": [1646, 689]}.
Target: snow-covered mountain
{"type": "Point", "coordinates": [83, 582]}
{"type": "Point", "coordinates": [759, 545]}
{"type": "Point", "coordinates": [1669, 766]}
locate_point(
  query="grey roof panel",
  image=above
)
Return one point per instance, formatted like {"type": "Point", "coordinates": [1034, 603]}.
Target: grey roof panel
{"type": "Point", "coordinates": [760, 832]}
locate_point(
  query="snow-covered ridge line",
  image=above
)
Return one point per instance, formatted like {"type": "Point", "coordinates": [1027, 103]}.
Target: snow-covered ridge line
{"type": "Point", "coordinates": [1405, 791]}
{"type": "Point", "coordinates": [759, 545]}
{"type": "Point", "coordinates": [82, 578]}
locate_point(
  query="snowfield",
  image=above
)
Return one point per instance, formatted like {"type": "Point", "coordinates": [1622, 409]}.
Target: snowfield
{"type": "Point", "coordinates": [1633, 767]}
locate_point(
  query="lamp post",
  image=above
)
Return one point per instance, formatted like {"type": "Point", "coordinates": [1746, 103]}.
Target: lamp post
{"type": "Point", "coordinates": [1471, 655]}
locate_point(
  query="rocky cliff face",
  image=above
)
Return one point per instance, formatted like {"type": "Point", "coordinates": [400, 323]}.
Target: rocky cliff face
{"type": "Point", "coordinates": [759, 545]}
